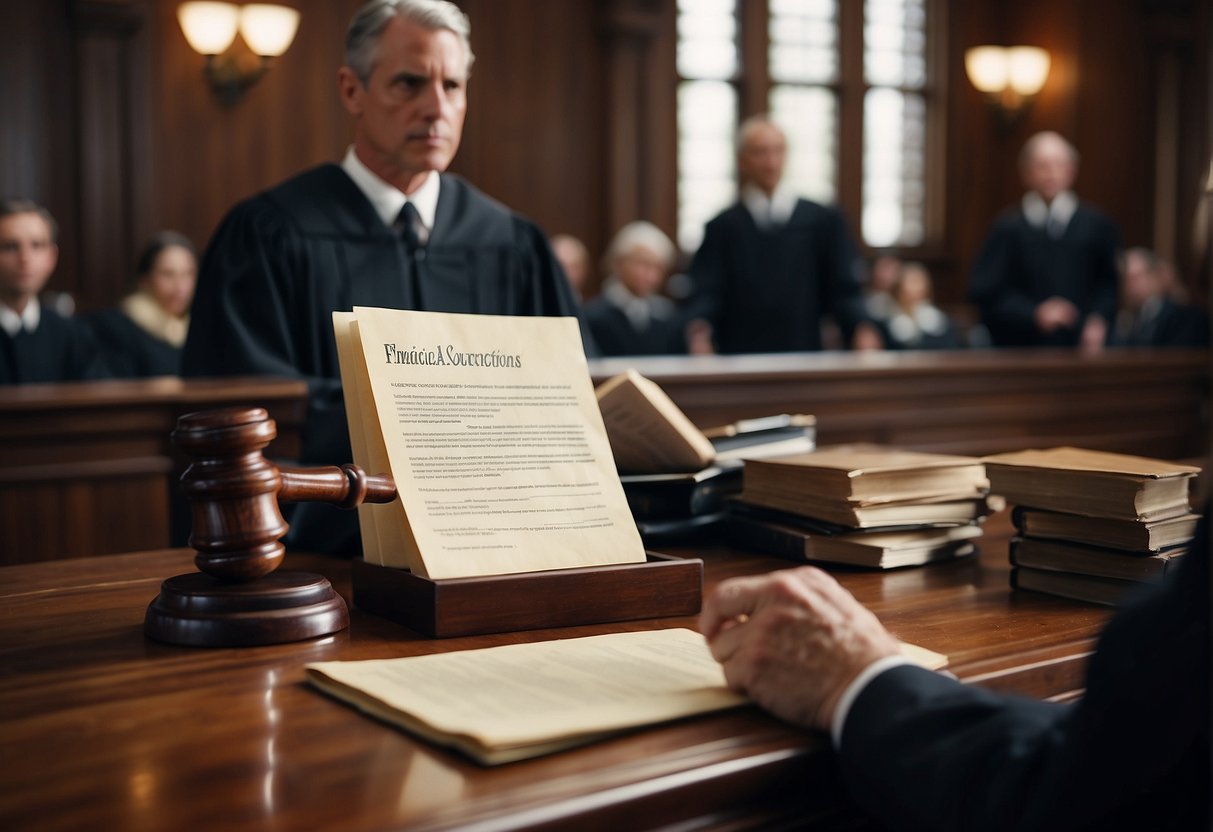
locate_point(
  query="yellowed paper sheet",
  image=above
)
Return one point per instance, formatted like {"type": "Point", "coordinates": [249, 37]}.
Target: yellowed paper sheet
{"type": "Point", "coordinates": [648, 432]}
{"type": "Point", "coordinates": [386, 536]}
{"type": "Point", "coordinates": [495, 442]}
{"type": "Point", "coordinates": [519, 700]}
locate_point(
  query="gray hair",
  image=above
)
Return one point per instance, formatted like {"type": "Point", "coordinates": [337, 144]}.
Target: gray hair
{"type": "Point", "coordinates": [9, 207]}
{"type": "Point", "coordinates": [753, 123]}
{"type": "Point", "coordinates": [640, 234]}
{"type": "Point", "coordinates": [366, 28]}
{"type": "Point", "coordinates": [1044, 137]}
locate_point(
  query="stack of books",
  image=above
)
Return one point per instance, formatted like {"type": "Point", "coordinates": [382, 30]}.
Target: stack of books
{"type": "Point", "coordinates": [1093, 525]}
{"type": "Point", "coordinates": [862, 505]}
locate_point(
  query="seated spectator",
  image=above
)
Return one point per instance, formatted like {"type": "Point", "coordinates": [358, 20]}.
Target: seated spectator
{"type": "Point", "coordinates": [37, 344]}
{"type": "Point", "coordinates": [914, 322]}
{"type": "Point", "coordinates": [143, 335]}
{"type": "Point", "coordinates": [878, 293]}
{"type": "Point", "coordinates": [575, 261]}
{"type": "Point", "coordinates": [1149, 316]}
{"type": "Point", "coordinates": [631, 316]}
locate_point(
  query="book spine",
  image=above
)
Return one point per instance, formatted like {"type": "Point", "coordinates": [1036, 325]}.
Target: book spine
{"type": "Point", "coordinates": [763, 537]}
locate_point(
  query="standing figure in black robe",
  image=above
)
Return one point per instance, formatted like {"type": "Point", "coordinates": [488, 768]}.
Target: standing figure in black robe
{"type": "Point", "coordinates": [37, 344]}
{"type": "Point", "coordinates": [1046, 274]}
{"type": "Point", "coordinates": [771, 267]}
{"type": "Point", "coordinates": [385, 228]}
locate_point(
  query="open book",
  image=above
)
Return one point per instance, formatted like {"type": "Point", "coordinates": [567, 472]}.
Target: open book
{"type": "Point", "coordinates": [516, 701]}
{"type": "Point", "coordinates": [490, 428]}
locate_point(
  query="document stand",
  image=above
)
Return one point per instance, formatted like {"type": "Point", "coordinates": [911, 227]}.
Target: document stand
{"type": "Point", "coordinates": [238, 600]}
{"type": "Point", "coordinates": [661, 587]}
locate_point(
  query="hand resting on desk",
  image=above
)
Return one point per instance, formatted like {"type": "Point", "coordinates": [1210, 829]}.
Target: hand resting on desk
{"type": "Point", "coordinates": [793, 641]}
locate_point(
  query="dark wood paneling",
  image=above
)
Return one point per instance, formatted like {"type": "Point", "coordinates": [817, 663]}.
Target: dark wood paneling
{"type": "Point", "coordinates": [568, 123]}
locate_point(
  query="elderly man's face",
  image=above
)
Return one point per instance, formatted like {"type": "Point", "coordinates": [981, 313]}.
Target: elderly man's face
{"type": "Point", "coordinates": [762, 155]}
{"type": "Point", "coordinates": [409, 115]}
{"type": "Point", "coordinates": [1050, 170]}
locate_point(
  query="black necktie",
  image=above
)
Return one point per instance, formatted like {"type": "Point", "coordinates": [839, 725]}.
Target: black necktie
{"type": "Point", "coordinates": [410, 227]}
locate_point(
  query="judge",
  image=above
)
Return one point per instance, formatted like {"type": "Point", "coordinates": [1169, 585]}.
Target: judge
{"type": "Point", "coordinates": [386, 227]}
{"type": "Point", "coordinates": [37, 344]}
{"type": "Point", "coordinates": [772, 266]}
{"type": "Point", "coordinates": [1046, 273]}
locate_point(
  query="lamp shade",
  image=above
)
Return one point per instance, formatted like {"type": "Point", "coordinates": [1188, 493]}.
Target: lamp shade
{"type": "Point", "coordinates": [987, 68]}
{"type": "Point", "coordinates": [1027, 69]}
{"type": "Point", "coordinates": [268, 29]}
{"type": "Point", "coordinates": [209, 27]}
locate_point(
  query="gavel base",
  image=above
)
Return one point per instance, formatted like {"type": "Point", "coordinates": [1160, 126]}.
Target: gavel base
{"type": "Point", "coordinates": [661, 587]}
{"type": "Point", "coordinates": [198, 610]}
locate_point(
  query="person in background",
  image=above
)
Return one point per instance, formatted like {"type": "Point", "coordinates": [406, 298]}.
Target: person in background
{"type": "Point", "coordinates": [386, 227]}
{"type": "Point", "coordinates": [915, 322]}
{"type": "Point", "coordinates": [143, 336]}
{"type": "Point", "coordinates": [1046, 273]}
{"type": "Point", "coordinates": [920, 750]}
{"type": "Point", "coordinates": [631, 316]}
{"type": "Point", "coordinates": [878, 291]}
{"type": "Point", "coordinates": [575, 260]}
{"type": "Point", "coordinates": [37, 344]}
{"type": "Point", "coordinates": [1149, 316]}
{"type": "Point", "coordinates": [772, 266]}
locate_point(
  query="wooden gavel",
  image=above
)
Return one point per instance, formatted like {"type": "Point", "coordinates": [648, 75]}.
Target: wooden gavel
{"type": "Point", "coordinates": [234, 491]}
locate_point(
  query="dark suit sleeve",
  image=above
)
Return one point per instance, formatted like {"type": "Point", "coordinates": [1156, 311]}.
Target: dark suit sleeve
{"type": "Point", "coordinates": [923, 751]}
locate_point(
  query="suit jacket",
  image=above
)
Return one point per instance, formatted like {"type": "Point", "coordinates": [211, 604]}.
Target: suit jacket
{"type": "Point", "coordinates": [1169, 325]}
{"type": "Point", "coordinates": [283, 261]}
{"type": "Point", "coordinates": [130, 350]}
{"type": "Point", "coordinates": [1020, 265]}
{"type": "Point", "coordinates": [924, 751]}
{"type": "Point", "coordinates": [767, 290]}
{"type": "Point", "coordinates": [61, 349]}
{"type": "Point", "coordinates": [615, 334]}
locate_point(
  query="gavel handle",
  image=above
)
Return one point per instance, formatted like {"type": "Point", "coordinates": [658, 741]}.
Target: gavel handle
{"type": "Point", "coordinates": [346, 487]}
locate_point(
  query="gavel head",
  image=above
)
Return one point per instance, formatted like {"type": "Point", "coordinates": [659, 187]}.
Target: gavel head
{"type": "Point", "coordinates": [233, 491]}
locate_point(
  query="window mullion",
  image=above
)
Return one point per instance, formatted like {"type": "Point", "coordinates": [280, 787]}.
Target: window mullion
{"type": "Point", "coordinates": [851, 89]}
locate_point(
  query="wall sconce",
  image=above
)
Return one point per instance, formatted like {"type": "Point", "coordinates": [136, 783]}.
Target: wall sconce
{"type": "Point", "coordinates": [210, 28]}
{"type": "Point", "coordinates": [1010, 76]}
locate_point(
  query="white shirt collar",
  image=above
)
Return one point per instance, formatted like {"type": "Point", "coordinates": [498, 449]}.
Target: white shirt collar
{"type": "Point", "coordinates": [13, 323]}
{"type": "Point", "coordinates": [1059, 211]}
{"type": "Point", "coordinates": [388, 199]}
{"type": "Point", "coordinates": [773, 210]}
{"type": "Point", "coordinates": [639, 311]}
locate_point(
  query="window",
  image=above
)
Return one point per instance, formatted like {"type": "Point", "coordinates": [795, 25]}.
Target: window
{"type": "Point", "coordinates": [806, 82]}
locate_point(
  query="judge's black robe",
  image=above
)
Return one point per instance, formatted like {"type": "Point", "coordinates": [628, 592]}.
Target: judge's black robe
{"type": "Point", "coordinates": [283, 261]}
{"type": "Point", "coordinates": [1020, 265]}
{"type": "Point", "coordinates": [130, 350]}
{"type": "Point", "coordinates": [923, 751]}
{"type": "Point", "coordinates": [60, 349]}
{"type": "Point", "coordinates": [767, 290]}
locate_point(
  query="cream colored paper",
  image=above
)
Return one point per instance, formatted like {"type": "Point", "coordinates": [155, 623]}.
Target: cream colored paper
{"type": "Point", "coordinates": [520, 700]}
{"type": "Point", "coordinates": [495, 442]}
{"type": "Point", "coordinates": [386, 537]}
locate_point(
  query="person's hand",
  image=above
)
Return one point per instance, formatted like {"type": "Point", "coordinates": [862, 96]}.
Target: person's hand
{"type": "Point", "coordinates": [866, 337]}
{"type": "Point", "coordinates": [792, 640]}
{"type": "Point", "coordinates": [1094, 333]}
{"type": "Point", "coordinates": [1054, 314]}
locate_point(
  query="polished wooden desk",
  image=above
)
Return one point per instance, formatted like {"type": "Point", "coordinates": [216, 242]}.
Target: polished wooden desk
{"type": "Point", "coordinates": [102, 729]}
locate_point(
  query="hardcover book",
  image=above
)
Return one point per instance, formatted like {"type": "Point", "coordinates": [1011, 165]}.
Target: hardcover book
{"type": "Point", "coordinates": [1093, 483]}
{"type": "Point", "coordinates": [1129, 535]}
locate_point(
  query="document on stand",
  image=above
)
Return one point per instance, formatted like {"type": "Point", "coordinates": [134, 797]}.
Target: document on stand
{"type": "Point", "coordinates": [494, 438]}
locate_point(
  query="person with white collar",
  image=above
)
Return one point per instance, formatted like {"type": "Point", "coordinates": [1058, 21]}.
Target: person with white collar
{"type": "Point", "coordinates": [37, 344]}
{"type": "Point", "coordinates": [1046, 274]}
{"type": "Point", "coordinates": [772, 267]}
{"type": "Point", "coordinates": [387, 228]}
